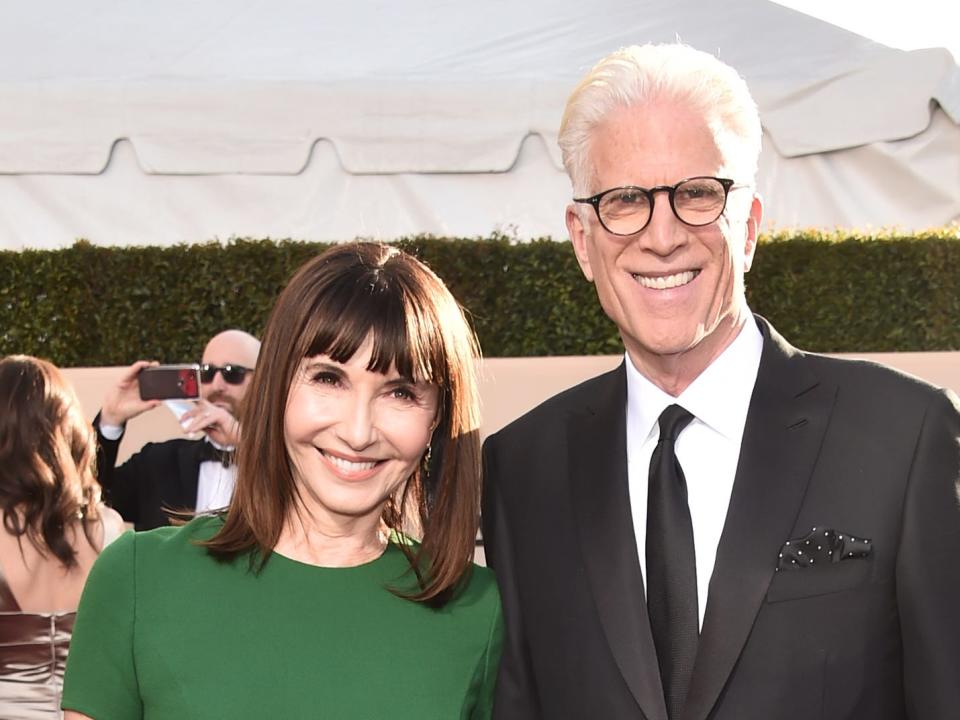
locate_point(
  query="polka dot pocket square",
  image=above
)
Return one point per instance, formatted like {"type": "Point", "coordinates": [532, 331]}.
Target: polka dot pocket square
{"type": "Point", "coordinates": [820, 547]}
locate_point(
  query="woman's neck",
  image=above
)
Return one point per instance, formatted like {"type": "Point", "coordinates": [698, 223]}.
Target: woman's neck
{"type": "Point", "coordinates": [310, 540]}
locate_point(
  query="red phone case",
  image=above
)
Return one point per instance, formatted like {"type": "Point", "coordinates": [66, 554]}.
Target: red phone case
{"type": "Point", "coordinates": [169, 382]}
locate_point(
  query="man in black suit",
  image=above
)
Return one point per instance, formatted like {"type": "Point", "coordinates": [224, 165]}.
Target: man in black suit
{"type": "Point", "coordinates": [180, 474]}
{"type": "Point", "coordinates": [723, 527]}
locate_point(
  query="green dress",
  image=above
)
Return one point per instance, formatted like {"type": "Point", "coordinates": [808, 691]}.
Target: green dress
{"type": "Point", "coordinates": [165, 632]}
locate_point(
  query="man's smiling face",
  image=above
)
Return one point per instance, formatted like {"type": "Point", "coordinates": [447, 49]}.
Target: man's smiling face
{"type": "Point", "coordinates": [674, 291]}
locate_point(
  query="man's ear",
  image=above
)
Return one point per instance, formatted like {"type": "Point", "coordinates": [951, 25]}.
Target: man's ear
{"type": "Point", "coordinates": [753, 232]}
{"type": "Point", "coordinates": [578, 236]}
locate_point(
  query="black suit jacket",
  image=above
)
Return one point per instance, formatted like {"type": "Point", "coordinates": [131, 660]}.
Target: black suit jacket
{"type": "Point", "coordinates": [161, 477]}
{"type": "Point", "coordinates": [836, 444]}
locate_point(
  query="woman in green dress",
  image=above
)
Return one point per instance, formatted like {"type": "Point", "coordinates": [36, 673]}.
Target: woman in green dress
{"type": "Point", "coordinates": [309, 597]}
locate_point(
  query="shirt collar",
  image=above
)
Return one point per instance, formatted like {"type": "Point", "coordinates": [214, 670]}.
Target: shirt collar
{"type": "Point", "coordinates": [719, 397]}
{"type": "Point", "coordinates": [218, 446]}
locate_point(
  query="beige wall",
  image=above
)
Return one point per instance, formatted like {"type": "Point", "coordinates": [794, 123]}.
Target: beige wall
{"type": "Point", "coordinates": [510, 387]}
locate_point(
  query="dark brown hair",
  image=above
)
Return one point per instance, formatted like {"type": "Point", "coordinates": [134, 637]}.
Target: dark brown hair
{"type": "Point", "coordinates": [330, 306]}
{"type": "Point", "coordinates": [47, 457]}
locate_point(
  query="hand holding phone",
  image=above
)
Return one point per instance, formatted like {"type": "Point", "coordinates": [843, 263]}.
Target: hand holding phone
{"type": "Point", "coordinates": [170, 382]}
{"type": "Point", "coordinates": [122, 401]}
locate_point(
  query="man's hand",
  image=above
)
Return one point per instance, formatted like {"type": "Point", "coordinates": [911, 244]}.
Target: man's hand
{"type": "Point", "coordinates": [123, 400]}
{"type": "Point", "coordinates": [217, 422]}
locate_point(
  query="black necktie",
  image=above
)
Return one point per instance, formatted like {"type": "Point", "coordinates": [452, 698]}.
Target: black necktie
{"type": "Point", "coordinates": [206, 451]}
{"type": "Point", "coordinates": [671, 565]}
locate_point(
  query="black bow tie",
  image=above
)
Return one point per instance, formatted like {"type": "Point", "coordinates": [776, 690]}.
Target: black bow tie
{"type": "Point", "coordinates": [208, 452]}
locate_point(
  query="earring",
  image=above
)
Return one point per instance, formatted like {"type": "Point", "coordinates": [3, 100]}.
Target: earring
{"type": "Point", "coordinates": [427, 457]}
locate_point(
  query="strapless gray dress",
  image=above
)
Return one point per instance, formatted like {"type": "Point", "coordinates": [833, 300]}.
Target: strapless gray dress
{"type": "Point", "coordinates": [33, 655]}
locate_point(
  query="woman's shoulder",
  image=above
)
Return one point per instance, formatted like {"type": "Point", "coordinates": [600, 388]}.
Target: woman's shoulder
{"type": "Point", "coordinates": [478, 589]}
{"type": "Point", "coordinates": [149, 563]}
{"type": "Point", "coordinates": [164, 544]}
{"type": "Point", "coordinates": [111, 523]}
{"type": "Point", "coordinates": [482, 577]}
{"type": "Point", "coordinates": [176, 538]}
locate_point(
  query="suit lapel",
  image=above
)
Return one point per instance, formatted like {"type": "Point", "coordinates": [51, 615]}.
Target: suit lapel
{"type": "Point", "coordinates": [788, 415]}
{"type": "Point", "coordinates": [598, 477]}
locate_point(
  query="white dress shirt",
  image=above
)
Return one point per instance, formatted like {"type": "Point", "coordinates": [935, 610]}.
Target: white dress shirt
{"type": "Point", "coordinates": [215, 483]}
{"type": "Point", "coordinates": [708, 448]}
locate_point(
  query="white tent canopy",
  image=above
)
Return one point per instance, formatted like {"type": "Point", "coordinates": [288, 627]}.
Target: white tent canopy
{"type": "Point", "coordinates": [134, 122]}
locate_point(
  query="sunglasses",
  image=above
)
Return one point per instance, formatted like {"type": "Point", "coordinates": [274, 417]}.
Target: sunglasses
{"type": "Point", "coordinates": [232, 374]}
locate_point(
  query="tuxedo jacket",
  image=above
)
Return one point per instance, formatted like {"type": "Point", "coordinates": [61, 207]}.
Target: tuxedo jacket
{"type": "Point", "coordinates": [161, 477]}
{"type": "Point", "coordinates": [847, 447]}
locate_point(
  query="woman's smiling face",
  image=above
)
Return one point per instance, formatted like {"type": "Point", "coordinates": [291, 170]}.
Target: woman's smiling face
{"type": "Point", "coordinates": [354, 436]}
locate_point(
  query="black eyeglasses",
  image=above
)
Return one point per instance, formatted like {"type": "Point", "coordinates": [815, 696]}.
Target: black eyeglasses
{"type": "Point", "coordinates": [695, 201]}
{"type": "Point", "coordinates": [232, 374]}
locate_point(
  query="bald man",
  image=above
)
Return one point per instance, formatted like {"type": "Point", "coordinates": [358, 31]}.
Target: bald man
{"type": "Point", "coordinates": [179, 474]}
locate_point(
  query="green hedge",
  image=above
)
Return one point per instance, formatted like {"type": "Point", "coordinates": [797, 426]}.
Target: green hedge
{"type": "Point", "coordinates": [88, 305]}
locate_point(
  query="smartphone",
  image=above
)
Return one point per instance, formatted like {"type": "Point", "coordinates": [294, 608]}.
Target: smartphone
{"type": "Point", "coordinates": [170, 382]}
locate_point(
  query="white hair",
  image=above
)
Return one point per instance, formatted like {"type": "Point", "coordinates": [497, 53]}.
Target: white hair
{"type": "Point", "coordinates": [641, 74]}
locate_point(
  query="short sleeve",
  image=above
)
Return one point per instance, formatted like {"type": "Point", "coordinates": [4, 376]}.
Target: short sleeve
{"type": "Point", "coordinates": [101, 679]}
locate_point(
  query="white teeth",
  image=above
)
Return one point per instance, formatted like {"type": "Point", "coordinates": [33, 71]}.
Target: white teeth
{"type": "Point", "coordinates": [348, 465]}
{"type": "Point", "coordinates": [666, 281]}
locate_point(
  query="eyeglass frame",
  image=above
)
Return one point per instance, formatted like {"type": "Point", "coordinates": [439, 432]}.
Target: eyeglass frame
{"type": "Point", "coordinates": [726, 183]}
{"type": "Point", "coordinates": [223, 370]}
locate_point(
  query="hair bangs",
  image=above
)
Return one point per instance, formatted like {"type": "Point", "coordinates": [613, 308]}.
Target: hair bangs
{"type": "Point", "coordinates": [405, 337]}
{"type": "Point", "coordinates": [368, 304]}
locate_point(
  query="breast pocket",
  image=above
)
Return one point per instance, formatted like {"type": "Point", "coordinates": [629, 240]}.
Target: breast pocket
{"type": "Point", "coordinates": [819, 580]}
